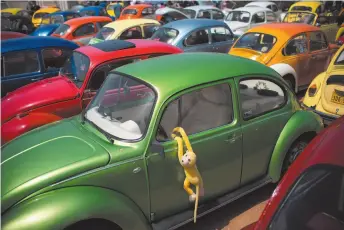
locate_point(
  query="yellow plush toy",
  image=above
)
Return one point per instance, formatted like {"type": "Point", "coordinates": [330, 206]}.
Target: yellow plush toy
{"type": "Point", "coordinates": [188, 162]}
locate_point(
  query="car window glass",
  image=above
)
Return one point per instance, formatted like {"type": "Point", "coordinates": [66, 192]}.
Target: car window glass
{"type": "Point", "coordinates": [316, 201]}
{"type": "Point", "coordinates": [20, 62]}
{"type": "Point", "coordinates": [259, 96]}
{"type": "Point", "coordinates": [88, 13]}
{"type": "Point", "coordinates": [102, 24]}
{"type": "Point", "coordinates": [220, 34]}
{"type": "Point", "coordinates": [147, 11]}
{"type": "Point", "coordinates": [274, 8]}
{"type": "Point", "coordinates": [103, 12]}
{"type": "Point", "coordinates": [204, 14]}
{"type": "Point", "coordinates": [131, 33]}
{"type": "Point", "coordinates": [270, 17]}
{"type": "Point", "coordinates": [317, 41]}
{"type": "Point", "coordinates": [197, 37]}
{"type": "Point", "coordinates": [269, 7]}
{"type": "Point", "coordinates": [340, 59]}
{"type": "Point", "coordinates": [54, 58]}
{"type": "Point", "coordinates": [217, 15]}
{"type": "Point", "coordinates": [101, 73]}
{"type": "Point", "coordinates": [84, 30]}
{"type": "Point", "coordinates": [149, 30]}
{"type": "Point", "coordinates": [189, 111]}
{"type": "Point", "coordinates": [297, 45]}
{"type": "Point", "coordinates": [258, 17]}
{"type": "Point", "coordinates": [56, 19]}
{"type": "Point", "coordinates": [256, 41]}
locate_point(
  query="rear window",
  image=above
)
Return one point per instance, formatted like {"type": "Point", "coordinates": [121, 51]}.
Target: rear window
{"type": "Point", "coordinates": [301, 8]}
{"type": "Point", "coordinates": [40, 15]}
{"type": "Point", "coordinates": [105, 33]}
{"type": "Point", "coordinates": [164, 34]}
{"type": "Point", "coordinates": [62, 29]}
{"type": "Point", "coordinates": [256, 41]}
{"type": "Point", "coordinates": [129, 11]}
{"type": "Point", "coordinates": [340, 59]}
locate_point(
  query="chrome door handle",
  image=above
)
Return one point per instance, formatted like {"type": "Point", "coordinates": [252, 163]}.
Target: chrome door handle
{"type": "Point", "coordinates": [137, 170]}
{"type": "Point", "coordinates": [233, 138]}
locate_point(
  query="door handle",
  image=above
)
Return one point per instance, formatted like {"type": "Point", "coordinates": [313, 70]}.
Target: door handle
{"type": "Point", "coordinates": [37, 79]}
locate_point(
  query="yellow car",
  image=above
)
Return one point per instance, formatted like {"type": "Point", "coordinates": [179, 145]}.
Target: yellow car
{"type": "Point", "coordinates": [325, 96]}
{"type": "Point", "coordinates": [39, 14]}
{"type": "Point", "coordinates": [298, 52]}
{"type": "Point", "coordinates": [10, 11]}
{"type": "Point", "coordinates": [314, 7]}
{"type": "Point", "coordinates": [109, 8]}
{"type": "Point", "coordinates": [126, 29]}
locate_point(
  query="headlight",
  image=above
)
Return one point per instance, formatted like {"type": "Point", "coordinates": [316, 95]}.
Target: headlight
{"type": "Point", "coordinates": [312, 90]}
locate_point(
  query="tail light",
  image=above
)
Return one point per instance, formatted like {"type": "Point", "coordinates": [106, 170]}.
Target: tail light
{"type": "Point", "coordinates": [312, 90]}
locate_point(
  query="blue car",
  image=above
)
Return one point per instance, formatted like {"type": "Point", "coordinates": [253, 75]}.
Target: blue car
{"type": "Point", "coordinates": [30, 59]}
{"type": "Point", "coordinates": [52, 21]}
{"type": "Point", "coordinates": [94, 11]}
{"type": "Point", "coordinates": [197, 35]}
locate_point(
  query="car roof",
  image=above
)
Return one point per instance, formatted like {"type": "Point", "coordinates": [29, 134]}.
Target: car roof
{"type": "Point", "coordinates": [200, 7]}
{"type": "Point", "coordinates": [170, 74]}
{"type": "Point", "coordinates": [33, 42]}
{"type": "Point", "coordinates": [138, 6]}
{"type": "Point", "coordinates": [283, 30]}
{"type": "Point", "coordinates": [82, 20]}
{"type": "Point", "coordinates": [261, 4]}
{"type": "Point", "coordinates": [142, 46]}
{"type": "Point", "coordinates": [313, 5]}
{"type": "Point", "coordinates": [191, 24]}
{"type": "Point", "coordinates": [120, 25]}
{"type": "Point", "coordinates": [252, 9]}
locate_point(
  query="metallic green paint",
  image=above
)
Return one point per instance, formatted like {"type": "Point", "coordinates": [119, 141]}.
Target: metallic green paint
{"type": "Point", "coordinates": [301, 122]}
{"type": "Point", "coordinates": [81, 175]}
{"type": "Point", "coordinates": [60, 208]}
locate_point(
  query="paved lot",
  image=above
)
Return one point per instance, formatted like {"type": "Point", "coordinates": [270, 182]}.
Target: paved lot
{"type": "Point", "coordinates": [235, 215]}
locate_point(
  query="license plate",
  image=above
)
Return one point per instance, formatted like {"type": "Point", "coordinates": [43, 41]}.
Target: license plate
{"type": "Point", "coordinates": [337, 99]}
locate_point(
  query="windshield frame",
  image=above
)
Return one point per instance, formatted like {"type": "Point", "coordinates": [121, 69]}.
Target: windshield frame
{"type": "Point", "coordinates": [145, 132]}
{"type": "Point", "coordinates": [242, 11]}
{"type": "Point", "coordinates": [260, 33]}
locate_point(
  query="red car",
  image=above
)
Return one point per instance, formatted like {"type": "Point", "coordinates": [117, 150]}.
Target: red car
{"type": "Point", "coordinates": [69, 93]}
{"type": "Point", "coordinates": [10, 35]}
{"type": "Point", "coordinates": [311, 194]}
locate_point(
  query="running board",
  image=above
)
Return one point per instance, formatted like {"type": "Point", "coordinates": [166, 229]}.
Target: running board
{"type": "Point", "coordinates": [180, 219]}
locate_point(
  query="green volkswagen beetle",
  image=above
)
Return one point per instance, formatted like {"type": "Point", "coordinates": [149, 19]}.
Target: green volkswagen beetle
{"type": "Point", "coordinates": [116, 167]}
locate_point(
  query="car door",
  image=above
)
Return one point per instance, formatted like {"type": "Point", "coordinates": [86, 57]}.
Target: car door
{"type": "Point", "coordinates": [319, 53]}
{"type": "Point", "coordinates": [222, 39]}
{"type": "Point", "coordinates": [265, 109]}
{"type": "Point", "coordinates": [198, 41]}
{"type": "Point", "coordinates": [209, 118]}
{"type": "Point", "coordinates": [84, 33]}
{"type": "Point", "coordinates": [257, 19]}
{"type": "Point", "coordinates": [19, 68]}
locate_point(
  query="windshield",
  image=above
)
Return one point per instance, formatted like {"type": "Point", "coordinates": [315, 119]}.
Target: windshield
{"type": "Point", "coordinates": [340, 59]}
{"type": "Point", "coordinates": [122, 108]}
{"type": "Point", "coordinates": [40, 15]}
{"type": "Point", "coordinates": [298, 17]}
{"type": "Point", "coordinates": [164, 34]}
{"type": "Point", "coordinates": [256, 41]}
{"type": "Point", "coordinates": [301, 8]}
{"type": "Point", "coordinates": [57, 19]}
{"type": "Point", "coordinates": [189, 12]}
{"type": "Point", "coordinates": [105, 33]}
{"type": "Point", "coordinates": [129, 11]}
{"type": "Point", "coordinates": [62, 29]}
{"type": "Point", "coordinates": [238, 16]}
{"type": "Point", "coordinates": [76, 67]}
{"type": "Point", "coordinates": [88, 13]}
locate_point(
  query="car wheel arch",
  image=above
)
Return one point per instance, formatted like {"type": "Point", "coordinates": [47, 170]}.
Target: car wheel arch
{"type": "Point", "coordinates": [95, 203]}
{"type": "Point", "coordinates": [302, 124]}
{"type": "Point", "coordinates": [286, 70]}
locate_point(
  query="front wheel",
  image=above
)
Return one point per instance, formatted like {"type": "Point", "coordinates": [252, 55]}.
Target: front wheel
{"type": "Point", "coordinates": [292, 154]}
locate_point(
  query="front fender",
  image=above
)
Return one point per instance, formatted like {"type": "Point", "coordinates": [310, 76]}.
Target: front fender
{"type": "Point", "coordinates": [283, 69]}
{"type": "Point", "coordinates": [300, 123]}
{"type": "Point", "coordinates": [20, 125]}
{"type": "Point", "coordinates": [61, 208]}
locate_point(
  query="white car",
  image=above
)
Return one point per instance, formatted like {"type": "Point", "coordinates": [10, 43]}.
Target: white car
{"type": "Point", "coordinates": [241, 19]}
{"type": "Point", "coordinates": [204, 11]}
{"type": "Point", "coordinates": [270, 5]}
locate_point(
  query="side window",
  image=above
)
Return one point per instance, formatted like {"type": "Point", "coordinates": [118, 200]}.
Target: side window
{"type": "Point", "coordinates": [101, 24]}
{"type": "Point", "coordinates": [131, 33]}
{"type": "Point", "coordinates": [188, 111]}
{"type": "Point", "coordinates": [147, 11]}
{"type": "Point", "coordinates": [54, 58]}
{"type": "Point", "coordinates": [270, 17]}
{"type": "Point", "coordinates": [149, 30]}
{"type": "Point", "coordinates": [269, 7]}
{"type": "Point", "coordinates": [297, 45]}
{"type": "Point", "coordinates": [317, 41]}
{"type": "Point", "coordinates": [319, 195]}
{"type": "Point", "coordinates": [259, 96]}
{"type": "Point", "coordinates": [84, 30]}
{"type": "Point", "coordinates": [197, 38]}
{"type": "Point", "coordinates": [217, 15]}
{"type": "Point", "coordinates": [220, 34]}
{"type": "Point", "coordinates": [258, 17]}
{"type": "Point", "coordinates": [20, 62]}
{"type": "Point", "coordinates": [101, 73]}
{"type": "Point", "coordinates": [274, 8]}
{"type": "Point", "coordinates": [204, 14]}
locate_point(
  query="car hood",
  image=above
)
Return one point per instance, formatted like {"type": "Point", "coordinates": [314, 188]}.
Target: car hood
{"type": "Point", "coordinates": [236, 25]}
{"type": "Point", "coordinates": [45, 156]}
{"type": "Point", "coordinates": [38, 94]}
{"type": "Point", "coordinates": [45, 30]}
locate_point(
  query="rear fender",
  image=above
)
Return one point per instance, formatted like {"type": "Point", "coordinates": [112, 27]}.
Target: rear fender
{"type": "Point", "coordinates": [285, 69]}
{"type": "Point", "coordinates": [301, 122]}
{"type": "Point", "coordinates": [61, 208]}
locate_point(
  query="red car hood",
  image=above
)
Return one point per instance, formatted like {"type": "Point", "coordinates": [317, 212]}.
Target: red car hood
{"type": "Point", "coordinates": [38, 94]}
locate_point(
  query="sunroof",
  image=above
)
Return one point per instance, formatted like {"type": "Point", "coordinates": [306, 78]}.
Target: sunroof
{"type": "Point", "coordinates": [113, 45]}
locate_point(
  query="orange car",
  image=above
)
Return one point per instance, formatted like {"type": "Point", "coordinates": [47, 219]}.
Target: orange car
{"type": "Point", "coordinates": [136, 11]}
{"type": "Point", "coordinates": [81, 30]}
{"type": "Point", "coordinates": [298, 52]}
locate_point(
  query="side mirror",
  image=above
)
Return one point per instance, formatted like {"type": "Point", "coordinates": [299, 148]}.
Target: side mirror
{"type": "Point", "coordinates": [157, 147]}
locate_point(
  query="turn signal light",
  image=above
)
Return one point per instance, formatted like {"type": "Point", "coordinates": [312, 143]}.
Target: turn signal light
{"type": "Point", "coordinates": [312, 90]}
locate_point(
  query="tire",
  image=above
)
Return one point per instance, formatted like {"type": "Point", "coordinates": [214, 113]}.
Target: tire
{"type": "Point", "coordinates": [297, 147]}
